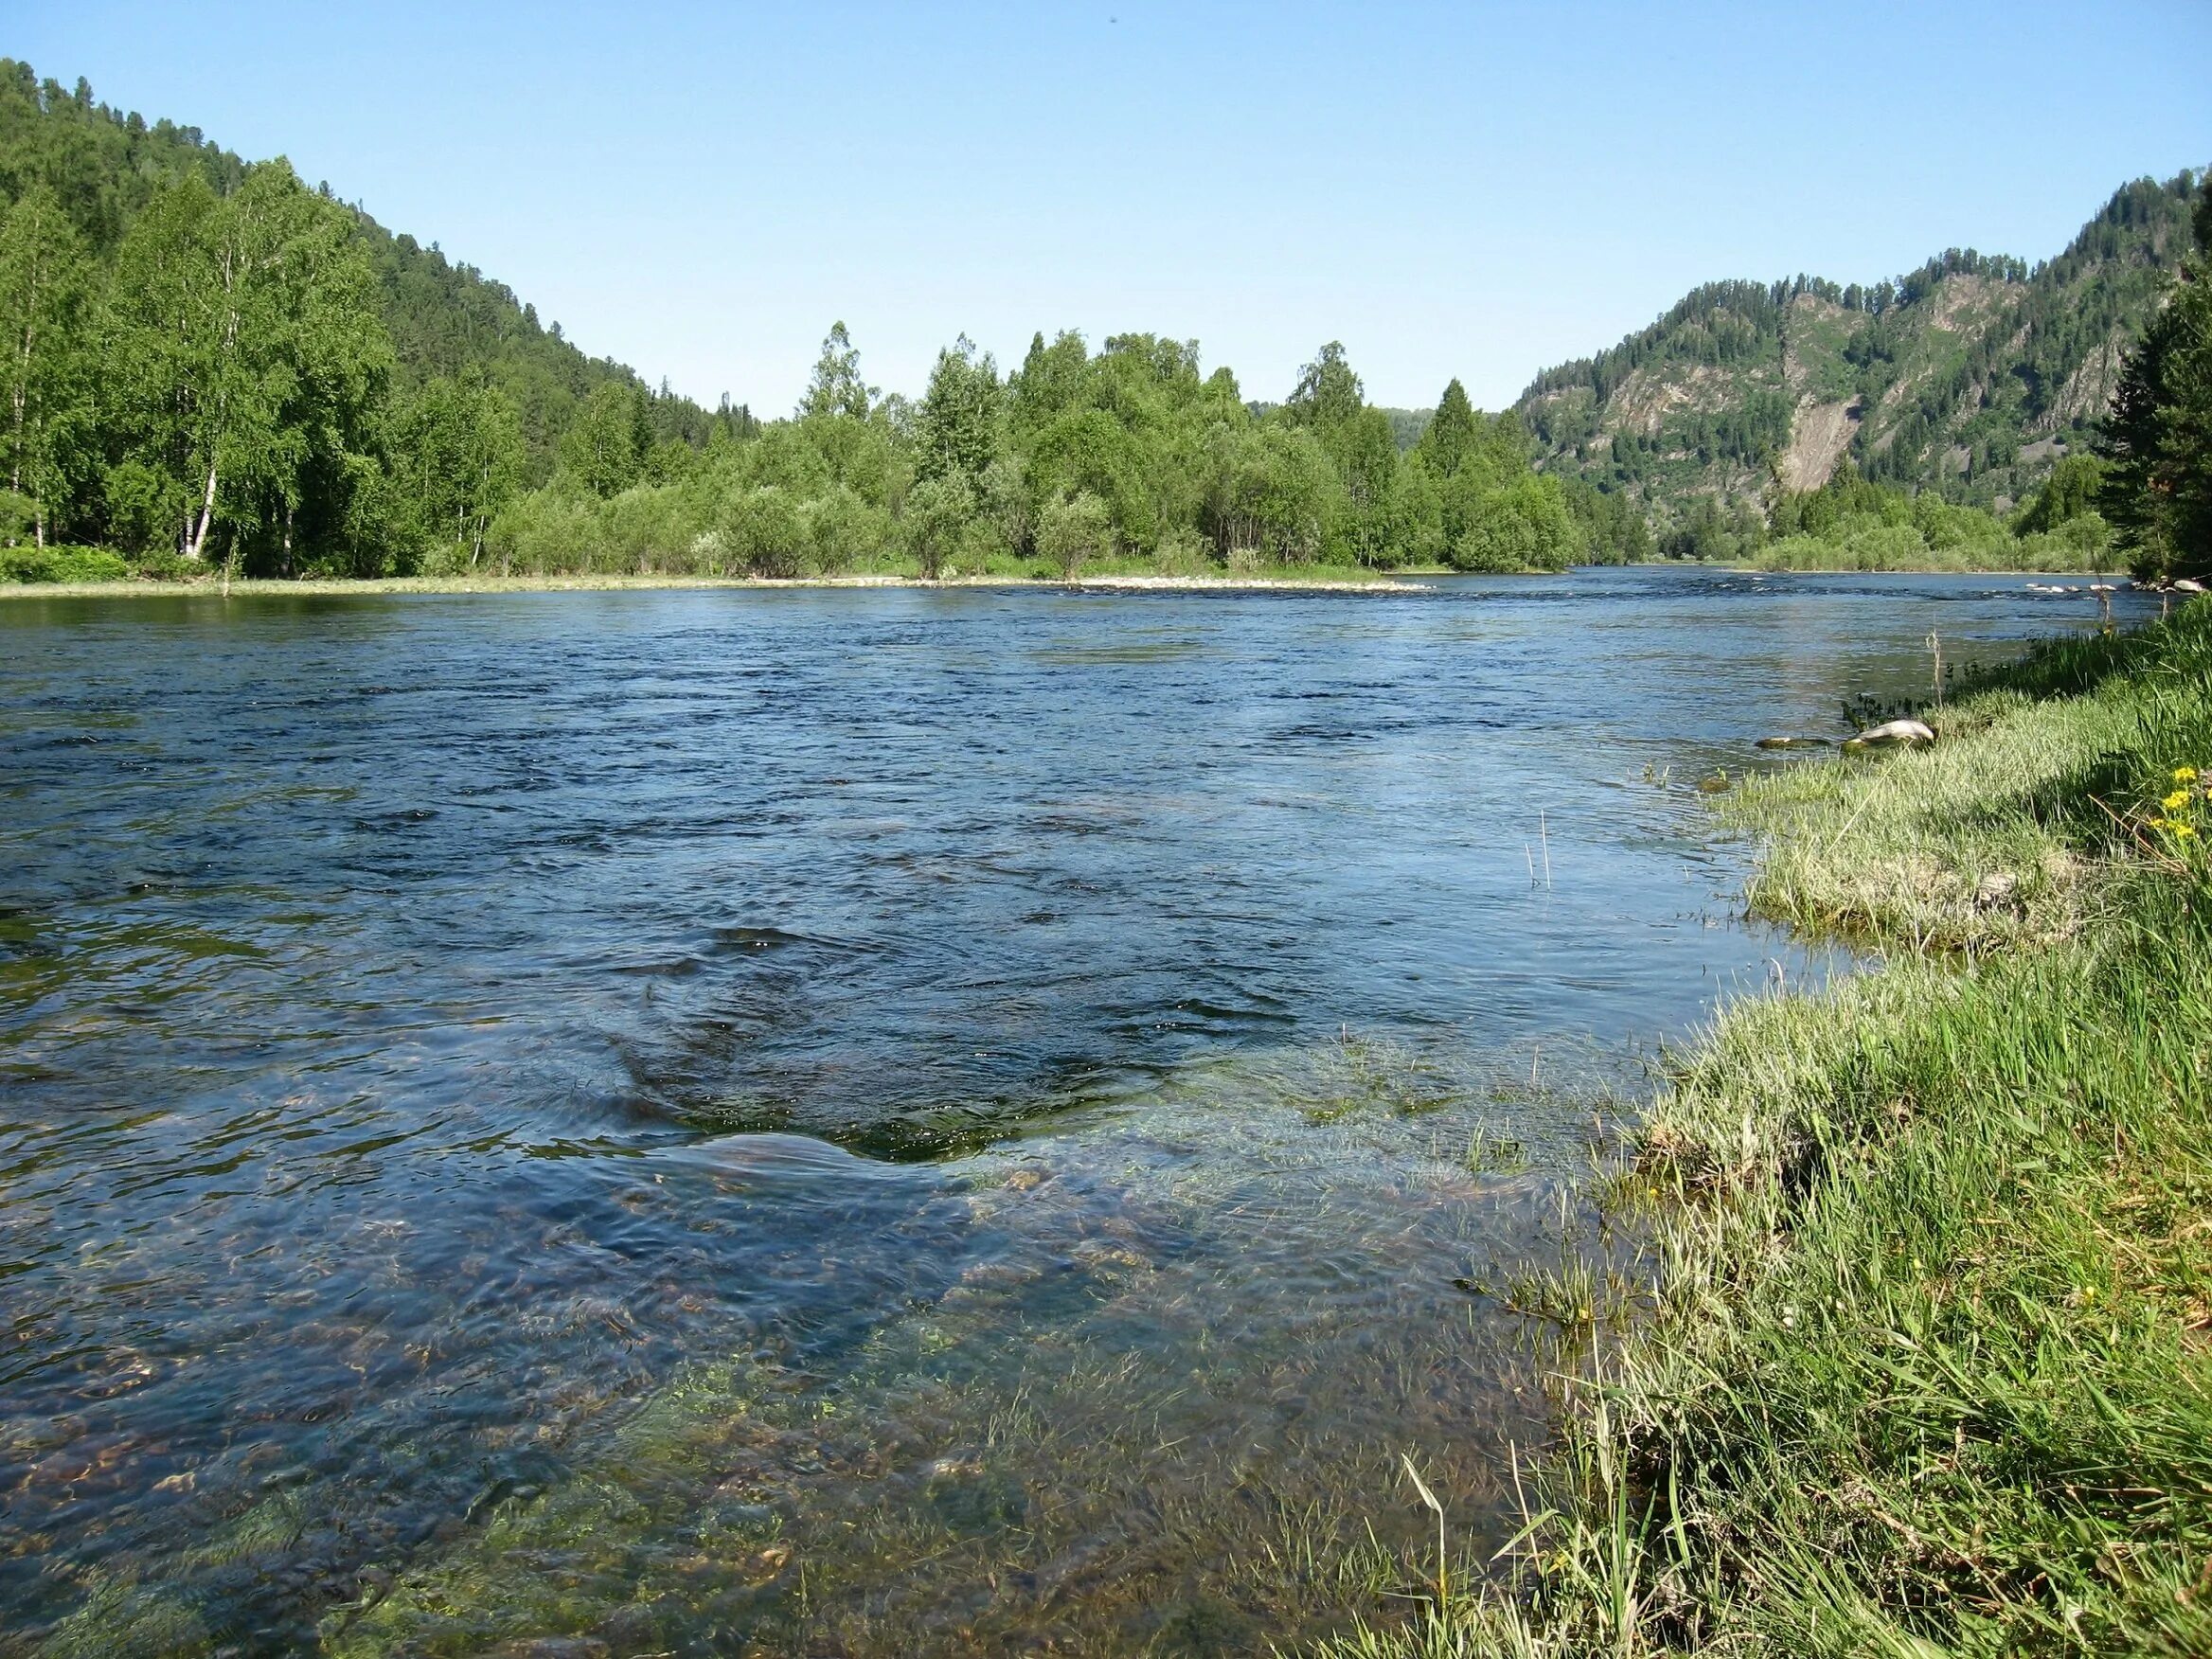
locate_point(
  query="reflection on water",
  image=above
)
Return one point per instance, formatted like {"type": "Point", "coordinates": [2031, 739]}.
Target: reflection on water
{"type": "Point", "coordinates": [877, 1122]}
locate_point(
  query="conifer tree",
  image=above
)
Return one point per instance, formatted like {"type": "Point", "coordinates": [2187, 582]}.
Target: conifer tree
{"type": "Point", "coordinates": [2157, 489]}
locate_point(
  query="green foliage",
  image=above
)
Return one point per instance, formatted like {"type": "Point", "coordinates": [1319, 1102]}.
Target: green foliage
{"type": "Point", "coordinates": [2158, 492]}
{"type": "Point", "coordinates": [606, 446]}
{"type": "Point", "coordinates": [1965, 377]}
{"type": "Point", "coordinates": [1710, 532]}
{"type": "Point", "coordinates": [1523, 524]}
{"type": "Point", "coordinates": [61, 563]}
{"type": "Point", "coordinates": [1615, 529]}
{"type": "Point", "coordinates": [245, 363]}
{"type": "Point", "coordinates": [765, 532]}
{"type": "Point", "coordinates": [45, 286]}
{"type": "Point", "coordinates": [458, 456]}
{"type": "Point", "coordinates": [114, 234]}
{"type": "Point", "coordinates": [1451, 433]}
{"type": "Point", "coordinates": [1328, 393]}
{"type": "Point", "coordinates": [1926, 1370]}
{"type": "Point", "coordinates": [227, 368]}
{"type": "Point", "coordinates": [956, 432]}
{"type": "Point", "coordinates": [836, 387]}
{"type": "Point", "coordinates": [1074, 530]}
{"type": "Point", "coordinates": [938, 513]}
{"type": "Point", "coordinates": [2070, 492]}
{"type": "Point", "coordinates": [1853, 523]}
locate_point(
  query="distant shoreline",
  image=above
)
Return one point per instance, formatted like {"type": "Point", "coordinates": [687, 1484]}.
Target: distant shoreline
{"type": "Point", "coordinates": [531, 585]}
{"type": "Point", "coordinates": [1403, 581]}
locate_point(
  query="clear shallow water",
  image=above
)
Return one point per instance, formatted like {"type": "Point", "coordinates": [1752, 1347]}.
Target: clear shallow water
{"type": "Point", "coordinates": [854, 1121]}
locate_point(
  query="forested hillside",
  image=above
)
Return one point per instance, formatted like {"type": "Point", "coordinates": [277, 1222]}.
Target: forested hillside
{"type": "Point", "coordinates": [105, 166]}
{"type": "Point", "coordinates": [212, 363]}
{"type": "Point", "coordinates": [1969, 376]}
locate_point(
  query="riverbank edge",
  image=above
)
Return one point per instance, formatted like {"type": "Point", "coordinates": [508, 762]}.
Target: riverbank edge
{"type": "Point", "coordinates": [1928, 1365]}
{"type": "Point", "coordinates": [1272, 583]}
{"type": "Point", "coordinates": [2118, 577]}
{"type": "Point", "coordinates": [1332, 580]}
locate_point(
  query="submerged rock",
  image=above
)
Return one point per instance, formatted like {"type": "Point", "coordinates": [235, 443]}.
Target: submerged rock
{"type": "Point", "coordinates": [1892, 731]}
{"type": "Point", "coordinates": [1795, 743]}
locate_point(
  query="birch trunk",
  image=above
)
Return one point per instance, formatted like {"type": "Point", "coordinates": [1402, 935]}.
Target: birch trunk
{"type": "Point", "coordinates": [199, 541]}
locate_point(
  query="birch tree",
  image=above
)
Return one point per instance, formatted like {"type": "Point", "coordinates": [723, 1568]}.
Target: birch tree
{"type": "Point", "coordinates": [45, 279]}
{"type": "Point", "coordinates": [247, 356]}
{"type": "Point", "coordinates": [461, 450]}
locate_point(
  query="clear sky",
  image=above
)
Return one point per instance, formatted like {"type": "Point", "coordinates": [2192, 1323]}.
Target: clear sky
{"type": "Point", "coordinates": [698, 191]}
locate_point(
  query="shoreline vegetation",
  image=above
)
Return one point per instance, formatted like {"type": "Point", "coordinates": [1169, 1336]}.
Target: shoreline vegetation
{"type": "Point", "coordinates": [1294, 578]}
{"type": "Point", "coordinates": [1281, 579]}
{"type": "Point", "coordinates": [1927, 1364]}
{"type": "Point", "coordinates": [355, 405]}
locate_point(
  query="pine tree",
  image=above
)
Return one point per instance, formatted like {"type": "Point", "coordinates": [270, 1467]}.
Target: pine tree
{"type": "Point", "coordinates": [2157, 441]}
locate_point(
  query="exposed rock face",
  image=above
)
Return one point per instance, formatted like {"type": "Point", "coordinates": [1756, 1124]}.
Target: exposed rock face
{"type": "Point", "coordinates": [2089, 389]}
{"type": "Point", "coordinates": [1820, 435]}
{"type": "Point", "coordinates": [1956, 376]}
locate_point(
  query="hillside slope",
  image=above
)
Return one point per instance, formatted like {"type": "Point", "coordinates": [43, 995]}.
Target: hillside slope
{"type": "Point", "coordinates": [106, 164]}
{"type": "Point", "coordinates": [1971, 375]}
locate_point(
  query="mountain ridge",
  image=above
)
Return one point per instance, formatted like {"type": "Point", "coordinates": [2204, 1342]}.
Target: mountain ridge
{"type": "Point", "coordinates": [1971, 375]}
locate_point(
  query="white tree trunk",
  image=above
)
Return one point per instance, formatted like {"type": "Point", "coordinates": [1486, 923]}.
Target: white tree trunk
{"type": "Point", "coordinates": [199, 541]}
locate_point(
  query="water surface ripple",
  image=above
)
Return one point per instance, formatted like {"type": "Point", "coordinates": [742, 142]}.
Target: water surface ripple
{"type": "Point", "coordinates": [848, 1121]}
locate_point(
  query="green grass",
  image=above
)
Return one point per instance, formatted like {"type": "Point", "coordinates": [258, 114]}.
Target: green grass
{"type": "Point", "coordinates": [1931, 1366]}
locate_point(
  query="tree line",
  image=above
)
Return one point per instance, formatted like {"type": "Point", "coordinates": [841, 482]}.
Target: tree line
{"type": "Point", "coordinates": [211, 362]}
{"type": "Point", "coordinates": [1955, 396]}
{"type": "Point", "coordinates": [1132, 452]}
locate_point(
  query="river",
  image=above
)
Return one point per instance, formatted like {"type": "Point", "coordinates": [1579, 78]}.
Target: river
{"type": "Point", "coordinates": [838, 1121]}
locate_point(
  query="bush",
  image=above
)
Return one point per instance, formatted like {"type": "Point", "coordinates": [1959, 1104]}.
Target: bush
{"type": "Point", "coordinates": [842, 531]}
{"type": "Point", "coordinates": [18, 517]}
{"type": "Point", "coordinates": [40, 565]}
{"type": "Point", "coordinates": [765, 531]}
{"type": "Point", "coordinates": [1184, 553]}
{"type": "Point", "coordinates": [167, 564]}
{"type": "Point", "coordinates": [1074, 529]}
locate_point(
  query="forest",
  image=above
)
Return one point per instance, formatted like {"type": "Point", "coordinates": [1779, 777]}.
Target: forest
{"type": "Point", "coordinates": [212, 365]}
{"type": "Point", "coordinates": [1969, 376]}
{"type": "Point", "coordinates": [216, 365]}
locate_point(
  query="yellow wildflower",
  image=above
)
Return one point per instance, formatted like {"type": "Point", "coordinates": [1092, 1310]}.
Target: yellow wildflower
{"type": "Point", "coordinates": [2185, 775]}
{"type": "Point", "coordinates": [2176, 801]}
{"type": "Point", "coordinates": [2183, 831]}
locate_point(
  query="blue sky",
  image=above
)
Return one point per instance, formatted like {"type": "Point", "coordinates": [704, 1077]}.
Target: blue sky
{"type": "Point", "coordinates": [1479, 190]}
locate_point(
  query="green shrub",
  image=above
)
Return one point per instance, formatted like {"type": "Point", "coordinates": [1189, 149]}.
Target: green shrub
{"type": "Point", "coordinates": [40, 565]}
{"type": "Point", "coordinates": [167, 564]}
{"type": "Point", "coordinates": [766, 532]}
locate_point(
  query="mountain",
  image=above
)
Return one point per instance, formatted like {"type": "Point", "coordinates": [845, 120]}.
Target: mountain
{"type": "Point", "coordinates": [1969, 376]}
{"type": "Point", "coordinates": [105, 165]}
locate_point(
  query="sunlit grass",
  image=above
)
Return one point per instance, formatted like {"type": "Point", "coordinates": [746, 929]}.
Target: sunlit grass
{"type": "Point", "coordinates": [1931, 1365]}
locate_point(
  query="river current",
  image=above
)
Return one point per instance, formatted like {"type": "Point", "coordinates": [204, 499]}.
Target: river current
{"type": "Point", "coordinates": [872, 1121]}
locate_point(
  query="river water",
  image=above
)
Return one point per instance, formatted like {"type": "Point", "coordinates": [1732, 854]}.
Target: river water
{"type": "Point", "coordinates": [838, 1121]}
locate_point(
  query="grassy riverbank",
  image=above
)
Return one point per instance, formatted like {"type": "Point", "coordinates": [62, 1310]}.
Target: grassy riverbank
{"type": "Point", "coordinates": [1931, 1368]}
